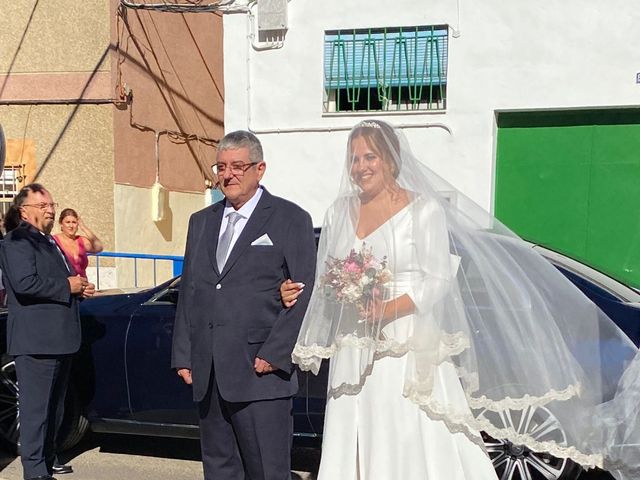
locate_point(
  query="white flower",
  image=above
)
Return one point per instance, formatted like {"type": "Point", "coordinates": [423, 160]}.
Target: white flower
{"type": "Point", "coordinates": [365, 280]}
{"type": "Point", "coordinates": [385, 276]}
{"type": "Point", "coordinates": [352, 293]}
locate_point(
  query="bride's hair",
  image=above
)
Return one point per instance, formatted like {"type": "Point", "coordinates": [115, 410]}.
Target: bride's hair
{"type": "Point", "coordinates": [382, 139]}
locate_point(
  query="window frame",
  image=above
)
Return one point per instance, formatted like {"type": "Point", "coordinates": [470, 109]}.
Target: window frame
{"type": "Point", "coordinates": [365, 43]}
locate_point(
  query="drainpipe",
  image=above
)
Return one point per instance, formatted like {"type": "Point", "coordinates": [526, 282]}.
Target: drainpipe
{"type": "Point", "coordinates": [158, 192]}
{"type": "Point", "coordinates": [343, 128]}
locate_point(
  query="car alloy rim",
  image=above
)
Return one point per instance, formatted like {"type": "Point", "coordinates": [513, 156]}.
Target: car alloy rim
{"type": "Point", "coordinates": [9, 419]}
{"type": "Point", "coordinates": [517, 462]}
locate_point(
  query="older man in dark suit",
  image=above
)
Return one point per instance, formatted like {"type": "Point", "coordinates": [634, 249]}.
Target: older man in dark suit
{"type": "Point", "coordinates": [233, 339]}
{"type": "Point", "coordinates": [43, 327]}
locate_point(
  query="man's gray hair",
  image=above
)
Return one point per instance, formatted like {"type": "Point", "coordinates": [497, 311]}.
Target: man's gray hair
{"type": "Point", "coordinates": [242, 139]}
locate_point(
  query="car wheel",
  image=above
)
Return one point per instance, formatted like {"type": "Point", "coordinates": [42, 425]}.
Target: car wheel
{"type": "Point", "coordinates": [517, 462]}
{"type": "Point", "coordinates": [74, 424]}
{"type": "Point", "coordinates": [9, 418]}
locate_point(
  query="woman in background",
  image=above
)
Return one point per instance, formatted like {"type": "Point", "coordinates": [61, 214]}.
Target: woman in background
{"type": "Point", "coordinates": [76, 247]}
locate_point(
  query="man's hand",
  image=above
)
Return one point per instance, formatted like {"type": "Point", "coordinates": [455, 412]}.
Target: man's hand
{"type": "Point", "coordinates": [185, 374]}
{"type": "Point", "coordinates": [78, 284]}
{"type": "Point", "coordinates": [262, 366]}
{"type": "Point", "coordinates": [88, 290]}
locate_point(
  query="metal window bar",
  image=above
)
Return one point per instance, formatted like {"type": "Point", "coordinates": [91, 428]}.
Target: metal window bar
{"type": "Point", "coordinates": [355, 90]}
{"type": "Point", "coordinates": [177, 263]}
{"type": "Point", "coordinates": [9, 183]}
{"type": "Point", "coordinates": [394, 68]}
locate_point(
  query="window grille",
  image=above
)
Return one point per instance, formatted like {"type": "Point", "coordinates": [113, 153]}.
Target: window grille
{"type": "Point", "coordinates": [386, 69]}
{"type": "Point", "coordinates": [9, 186]}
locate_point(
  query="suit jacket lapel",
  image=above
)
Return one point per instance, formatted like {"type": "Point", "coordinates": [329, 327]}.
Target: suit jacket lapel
{"type": "Point", "coordinates": [66, 261]}
{"type": "Point", "coordinates": [41, 238]}
{"type": "Point", "coordinates": [212, 232]}
{"type": "Point", "coordinates": [250, 232]}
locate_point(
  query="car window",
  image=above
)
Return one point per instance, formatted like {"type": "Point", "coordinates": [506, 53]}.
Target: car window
{"type": "Point", "coordinates": [169, 294]}
{"type": "Point", "coordinates": [582, 274]}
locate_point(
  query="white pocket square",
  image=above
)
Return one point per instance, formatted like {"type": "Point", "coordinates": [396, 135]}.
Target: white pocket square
{"type": "Point", "coordinates": [264, 240]}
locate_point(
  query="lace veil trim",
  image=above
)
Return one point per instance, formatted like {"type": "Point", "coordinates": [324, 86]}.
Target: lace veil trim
{"type": "Point", "coordinates": [469, 425]}
{"type": "Point", "coordinates": [451, 344]}
{"type": "Point", "coordinates": [456, 422]}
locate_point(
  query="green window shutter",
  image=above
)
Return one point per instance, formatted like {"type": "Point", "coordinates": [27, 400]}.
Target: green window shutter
{"type": "Point", "coordinates": [398, 67]}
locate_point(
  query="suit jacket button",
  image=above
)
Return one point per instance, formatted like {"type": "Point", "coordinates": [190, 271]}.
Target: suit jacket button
{"type": "Point", "coordinates": [211, 325]}
{"type": "Point", "coordinates": [218, 287]}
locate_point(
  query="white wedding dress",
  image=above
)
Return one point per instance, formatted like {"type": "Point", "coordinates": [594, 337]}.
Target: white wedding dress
{"type": "Point", "coordinates": [397, 406]}
{"type": "Point", "coordinates": [372, 431]}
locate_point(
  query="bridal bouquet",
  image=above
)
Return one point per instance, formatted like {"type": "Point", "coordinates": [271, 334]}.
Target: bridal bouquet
{"type": "Point", "coordinates": [356, 279]}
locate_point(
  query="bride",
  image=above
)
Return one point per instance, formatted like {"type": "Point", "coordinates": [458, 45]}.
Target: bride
{"type": "Point", "coordinates": [437, 320]}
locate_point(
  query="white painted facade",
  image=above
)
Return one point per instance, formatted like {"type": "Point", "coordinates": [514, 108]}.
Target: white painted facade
{"type": "Point", "coordinates": [514, 55]}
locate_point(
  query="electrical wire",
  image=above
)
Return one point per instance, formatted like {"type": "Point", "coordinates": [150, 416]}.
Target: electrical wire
{"type": "Point", "coordinates": [24, 135]}
{"type": "Point", "coordinates": [125, 35]}
{"type": "Point", "coordinates": [192, 6]}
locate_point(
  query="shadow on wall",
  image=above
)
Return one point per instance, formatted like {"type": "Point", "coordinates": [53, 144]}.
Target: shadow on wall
{"type": "Point", "coordinates": [142, 46]}
{"type": "Point", "coordinates": [15, 55]}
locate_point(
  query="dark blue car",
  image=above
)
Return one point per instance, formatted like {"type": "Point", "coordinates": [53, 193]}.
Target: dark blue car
{"type": "Point", "coordinates": [122, 380]}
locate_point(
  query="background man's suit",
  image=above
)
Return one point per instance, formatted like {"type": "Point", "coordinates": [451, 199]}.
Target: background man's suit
{"type": "Point", "coordinates": [43, 330]}
{"type": "Point", "coordinates": [225, 319]}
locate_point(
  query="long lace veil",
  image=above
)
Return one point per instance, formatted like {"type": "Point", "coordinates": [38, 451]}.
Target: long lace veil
{"type": "Point", "coordinates": [520, 336]}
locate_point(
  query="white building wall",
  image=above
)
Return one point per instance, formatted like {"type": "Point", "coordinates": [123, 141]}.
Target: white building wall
{"type": "Point", "coordinates": [503, 55]}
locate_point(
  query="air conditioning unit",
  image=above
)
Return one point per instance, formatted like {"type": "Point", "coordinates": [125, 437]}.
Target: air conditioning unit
{"type": "Point", "coordinates": [272, 17]}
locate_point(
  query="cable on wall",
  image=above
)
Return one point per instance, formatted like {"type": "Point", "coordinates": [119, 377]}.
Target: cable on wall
{"type": "Point", "coordinates": [191, 6]}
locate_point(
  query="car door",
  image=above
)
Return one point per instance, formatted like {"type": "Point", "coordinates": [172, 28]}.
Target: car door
{"type": "Point", "coordinates": [99, 370]}
{"type": "Point", "coordinates": [157, 394]}
{"type": "Point", "coordinates": [619, 301]}
{"type": "Point", "coordinates": [308, 406]}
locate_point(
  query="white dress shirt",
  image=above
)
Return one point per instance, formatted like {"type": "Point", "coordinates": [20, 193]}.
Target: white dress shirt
{"type": "Point", "coordinates": [246, 210]}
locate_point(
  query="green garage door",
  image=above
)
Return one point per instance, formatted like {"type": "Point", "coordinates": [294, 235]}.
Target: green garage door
{"type": "Point", "coordinates": [571, 181]}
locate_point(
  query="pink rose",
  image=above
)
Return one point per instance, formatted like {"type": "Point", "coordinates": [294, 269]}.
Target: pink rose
{"type": "Point", "coordinates": [351, 267]}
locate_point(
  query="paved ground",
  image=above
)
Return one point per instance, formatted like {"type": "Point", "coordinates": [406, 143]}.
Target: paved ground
{"type": "Point", "coordinates": [123, 457]}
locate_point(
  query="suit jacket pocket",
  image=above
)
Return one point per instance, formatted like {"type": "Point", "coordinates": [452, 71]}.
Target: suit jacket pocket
{"type": "Point", "coordinates": [258, 335]}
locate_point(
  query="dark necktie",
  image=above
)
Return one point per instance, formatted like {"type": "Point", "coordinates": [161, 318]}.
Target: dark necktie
{"type": "Point", "coordinates": [59, 250]}
{"type": "Point", "coordinates": [225, 240]}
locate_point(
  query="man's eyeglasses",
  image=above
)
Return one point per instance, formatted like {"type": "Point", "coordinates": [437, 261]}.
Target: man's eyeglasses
{"type": "Point", "coordinates": [41, 206]}
{"type": "Point", "coordinates": [237, 169]}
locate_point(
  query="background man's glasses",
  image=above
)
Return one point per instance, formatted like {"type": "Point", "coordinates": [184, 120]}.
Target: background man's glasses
{"type": "Point", "coordinates": [41, 206]}
{"type": "Point", "coordinates": [237, 169]}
